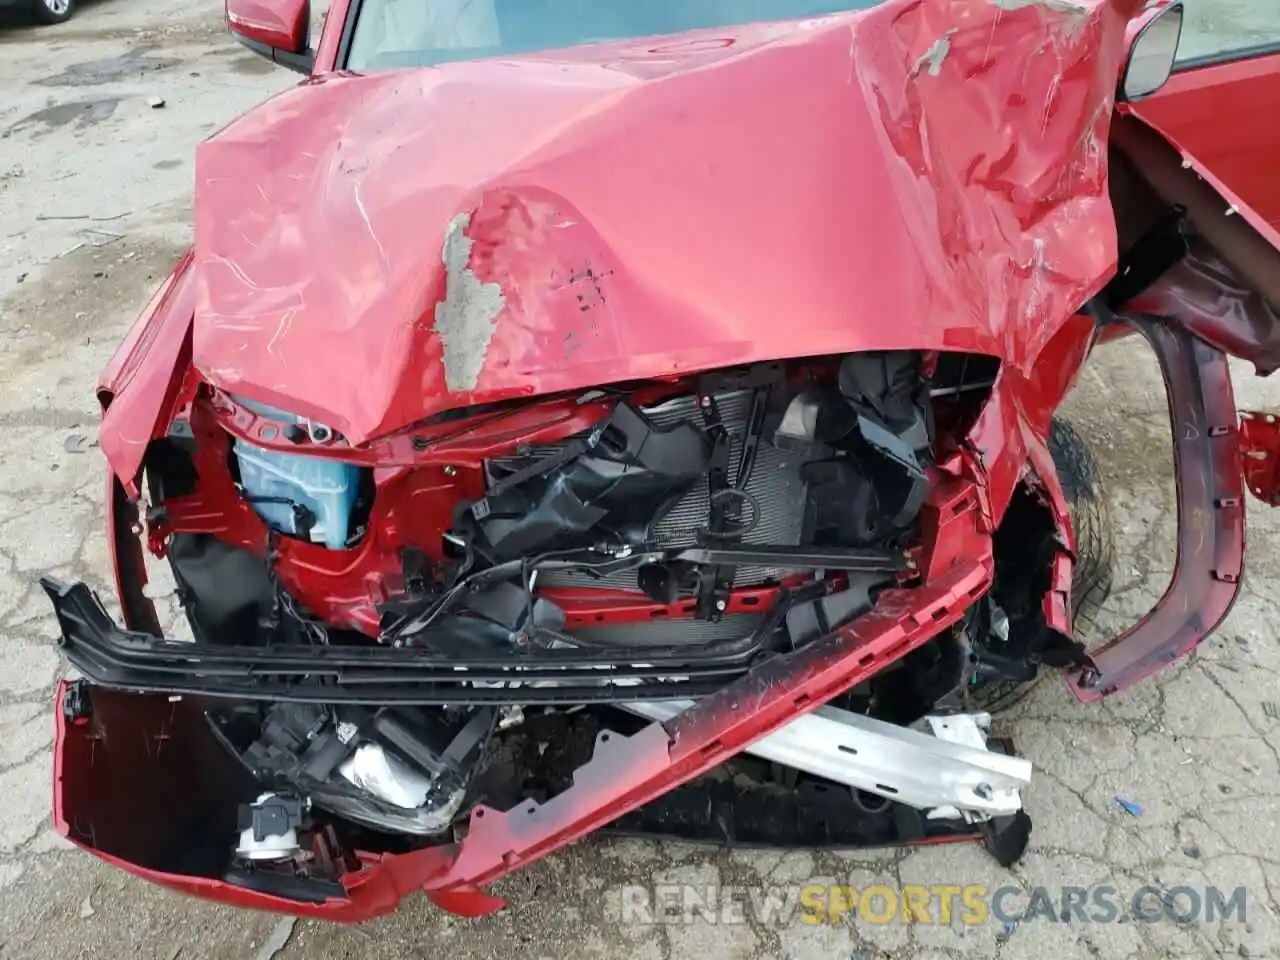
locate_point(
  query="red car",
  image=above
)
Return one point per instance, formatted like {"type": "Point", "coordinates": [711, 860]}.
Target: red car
{"type": "Point", "coordinates": [583, 413]}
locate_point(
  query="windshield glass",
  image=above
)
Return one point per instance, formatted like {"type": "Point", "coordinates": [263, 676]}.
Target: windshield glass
{"type": "Point", "coordinates": [405, 33]}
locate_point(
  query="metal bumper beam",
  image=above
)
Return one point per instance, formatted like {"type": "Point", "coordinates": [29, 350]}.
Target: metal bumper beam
{"type": "Point", "coordinates": [948, 773]}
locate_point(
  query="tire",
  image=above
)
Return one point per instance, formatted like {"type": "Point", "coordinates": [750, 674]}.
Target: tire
{"type": "Point", "coordinates": [52, 11]}
{"type": "Point", "coordinates": [1082, 485]}
{"type": "Point", "coordinates": [1090, 517]}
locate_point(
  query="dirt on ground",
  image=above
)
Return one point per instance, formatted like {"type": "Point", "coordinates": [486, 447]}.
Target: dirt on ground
{"type": "Point", "coordinates": [95, 187]}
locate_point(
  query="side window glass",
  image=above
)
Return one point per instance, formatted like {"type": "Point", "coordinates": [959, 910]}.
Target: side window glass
{"type": "Point", "coordinates": [1219, 28]}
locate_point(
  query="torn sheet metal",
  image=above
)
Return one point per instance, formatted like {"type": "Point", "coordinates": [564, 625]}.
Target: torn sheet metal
{"type": "Point", "coordinates": [632, 210]}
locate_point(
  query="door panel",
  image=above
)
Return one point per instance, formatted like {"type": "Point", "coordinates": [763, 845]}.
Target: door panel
{"type": "Point", "coordinates": [1226, 114]}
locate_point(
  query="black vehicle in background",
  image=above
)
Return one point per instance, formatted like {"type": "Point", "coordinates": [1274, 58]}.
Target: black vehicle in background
{"type": "Point", "coordinates": [41, 11]}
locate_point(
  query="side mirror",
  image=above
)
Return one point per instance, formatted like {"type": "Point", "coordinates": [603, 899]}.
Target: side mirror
{"type": "Point", "coordinates": [276, 29]}
{"type": "Point", "coordinates": [1152, 52]}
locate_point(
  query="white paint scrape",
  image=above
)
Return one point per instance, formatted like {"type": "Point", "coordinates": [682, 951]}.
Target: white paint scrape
{"type": "Point", "coordinates": [935, 55]}
{"type": "Point", "coordinates": [467, 316]}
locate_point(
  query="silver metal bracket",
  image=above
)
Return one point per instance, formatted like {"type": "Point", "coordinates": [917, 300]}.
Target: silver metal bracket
{"type": "Point", "coordinates": [948, 772]}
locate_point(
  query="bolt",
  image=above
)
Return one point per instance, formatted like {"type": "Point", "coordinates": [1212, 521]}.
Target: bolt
{"type": "Point", "coordinates": [705, 401]}
{"type": "Point", "coordinates": [721, 605]}
{"type": "Point", "coordinates": [450, 470]}
{"type": "Point", "coordinates": [320, 433]}
{"type": "Point", "coordinates": [983, 790]}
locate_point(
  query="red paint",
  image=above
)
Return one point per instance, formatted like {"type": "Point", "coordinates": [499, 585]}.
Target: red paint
{"type": "Point", "coordinates": [1260, 449]}
{"type": "Point", "coordinates": [1214, 113]}
{"type": "Point", "coordinates": [943, 187]}
{"type": "Point", "coordinates": [625, 772]}
{"type": "Point", "coordinates": [96, 774]}
{"type": "Point", "coordinates": [593, 608]}
{"type": "Point", "coordinates": [144, 376]}
{"type": "Point", "coordinates": [337, 239]}
{"type": "Point", "coordinates": [281, 24]}
{"type": "Point", "coordinates": [109, 777]}
{"type": "Point", "coordinates": [1210, 298]}
{"type": "Point", "coordinates": [1208, 113]}
{"type": "Point", "coordinates": [412, 509]}
{"type": "Point", "coordinates": [331, 37]}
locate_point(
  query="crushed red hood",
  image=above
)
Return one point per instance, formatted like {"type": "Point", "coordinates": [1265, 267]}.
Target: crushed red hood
{"type": "Point", "coordinates": [373, 250]}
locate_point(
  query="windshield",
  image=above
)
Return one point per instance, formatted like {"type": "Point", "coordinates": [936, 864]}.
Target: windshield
{"type": "Point", "coordinates": [406, 33]}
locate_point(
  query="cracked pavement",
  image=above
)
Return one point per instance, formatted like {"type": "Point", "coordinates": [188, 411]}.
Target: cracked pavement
{"type": "Point", "coordinates": [95, 207]}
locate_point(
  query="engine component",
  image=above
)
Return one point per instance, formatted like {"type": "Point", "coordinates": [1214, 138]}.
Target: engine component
{"type": "Point", "coordinates": [608, 485]}
{"type": "Point", "coordinates": [897, 471]}
{"type": "Point", "coordinates": [887, 391]}
{"type": "Point", "coordinates": [226, 590]}
{"type": "Point", "coordinates": [514, 609]}
{"type": "Point", "coordinates": [807, 622]}
{"type": "Point", "coordinates": [816, 416]}
{"type": "Point", "coordinates": [888, 386]}
{"type": "Point", "coordinates": [269, 828]}
{"type": "Point", "coordinates": [491, 616]}
{"type": "Point", "coordinates": [382, 774]}
{"type": "Point", "coordinates": [303, 496]}
{"type": "Point", "coordinates": [843, 506]}
{"type": "Point", "coordinates": [948, 772]}
{"type": "Point", "coordinates": [659, 633]}
{"type": "Point", "coordinates": [933, 678]}
{"type": "Point", "coordinates": [397, 770]}
{"type": "Point", "coordinates": [666, 583]}
{"type": "Point", "coordinates": [775, 482]}
{"type": "Point", "coordinates": [308, 497]}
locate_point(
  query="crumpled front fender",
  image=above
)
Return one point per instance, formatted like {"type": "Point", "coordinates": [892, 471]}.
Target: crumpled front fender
{"type": "Point", "coordinates": [141, 383]}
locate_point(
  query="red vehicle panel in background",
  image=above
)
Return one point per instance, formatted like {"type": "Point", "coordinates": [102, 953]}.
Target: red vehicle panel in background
{"type": "Point", "coordinates": [1224, 113]}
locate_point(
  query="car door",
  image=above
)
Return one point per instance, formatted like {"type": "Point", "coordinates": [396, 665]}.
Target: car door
{"type": "Point", "coordinates": [1222, 103]}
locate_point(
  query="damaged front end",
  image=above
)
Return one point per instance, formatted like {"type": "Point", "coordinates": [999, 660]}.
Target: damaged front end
{"type": "Point", "coordinates": [385, 661]}
{"type": "Point", "coordinates": [608, 519]}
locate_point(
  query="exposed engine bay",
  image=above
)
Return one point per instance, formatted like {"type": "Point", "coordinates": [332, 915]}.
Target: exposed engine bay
{"type": "Point", "coordinates": [509, 498]}
{"type": "Point", "coordinates": [692, 532]}
{"type": "Point", "coordinates": [684, 494]}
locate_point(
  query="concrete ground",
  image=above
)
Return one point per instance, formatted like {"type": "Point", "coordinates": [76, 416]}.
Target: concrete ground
{"type": "Point", "coordinates": [94, 208]}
